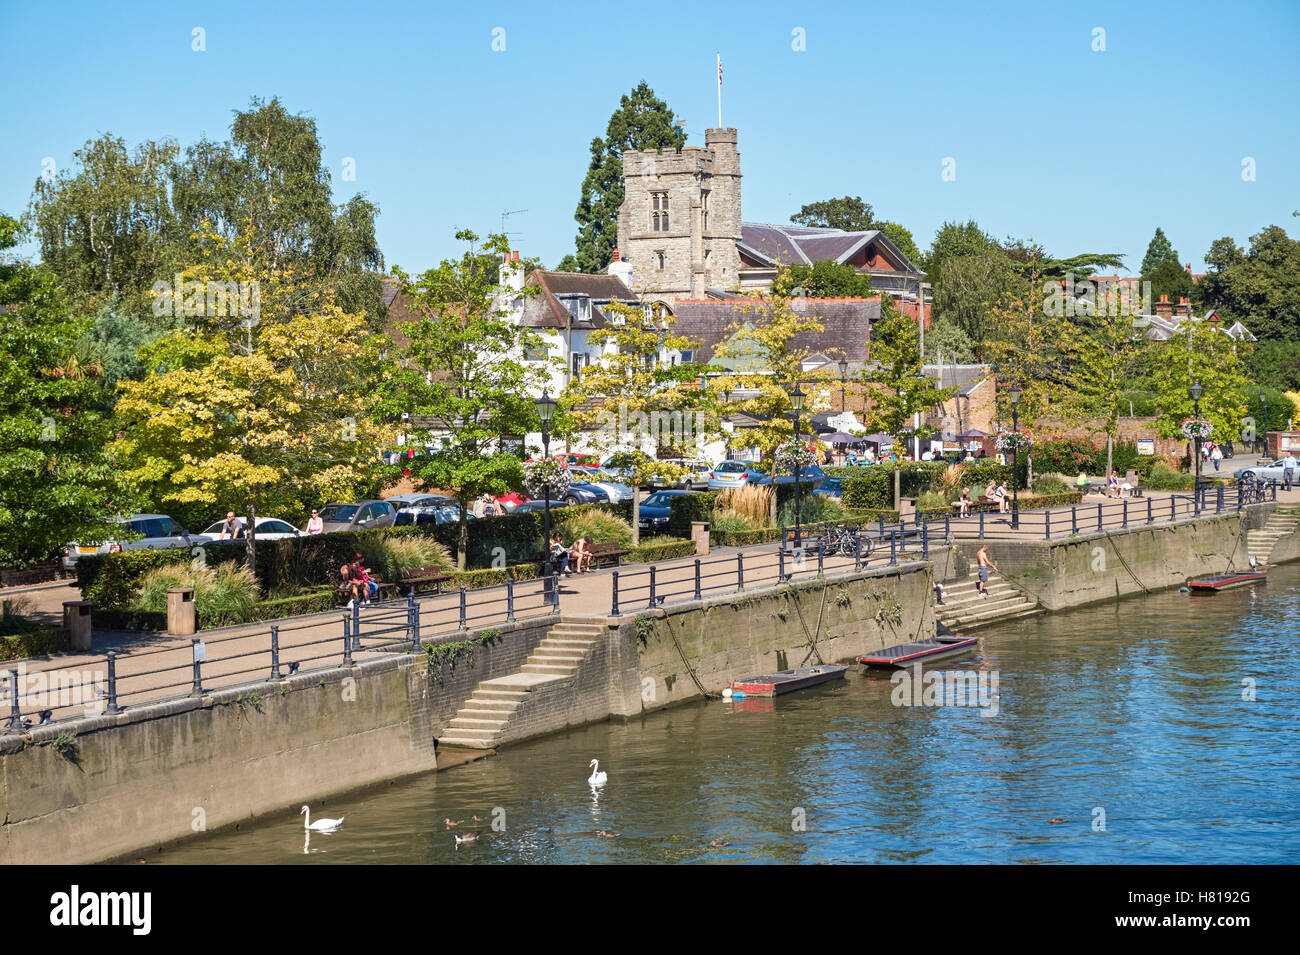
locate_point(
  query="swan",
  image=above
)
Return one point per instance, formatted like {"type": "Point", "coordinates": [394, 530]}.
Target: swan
{"type": "Point", "coordinates": [320, 825]}
{"type": "Point", "coordinates": [597, 778]}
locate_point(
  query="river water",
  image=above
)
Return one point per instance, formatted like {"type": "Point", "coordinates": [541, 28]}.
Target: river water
{"type": "Point", "coordinates": [1126, 721]}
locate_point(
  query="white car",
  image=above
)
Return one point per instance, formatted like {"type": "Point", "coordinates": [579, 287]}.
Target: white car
{"type": "Point", "coordinates": [268, 529]}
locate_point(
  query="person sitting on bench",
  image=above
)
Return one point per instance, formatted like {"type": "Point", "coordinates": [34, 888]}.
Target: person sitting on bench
{"type": "Point", "coordinates": [964, 502]}
{"type": "Point", "coordinates": [1004, 501]}
{"type": "Point", "coordinates": [559, 555]}
{"type": "Point", "coordinates": [1082, 482]}
{"type": "Point", "coordinates": [581, 553]}
{"type": "Point", "coordinates": [363, 576]}
{"type": "Point", "coordinates": [349, 583]}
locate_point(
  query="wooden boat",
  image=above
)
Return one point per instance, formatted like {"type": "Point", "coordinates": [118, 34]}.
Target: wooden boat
{"type": "Point", "coordinates": [1216, 582]}
{"type": "Point", "coordinates": [944, 644]}
{"type": "Point", "coordinates": [787, 681]}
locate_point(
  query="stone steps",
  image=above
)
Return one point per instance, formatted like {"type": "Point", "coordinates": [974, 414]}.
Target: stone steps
{"type": "Point", "coordinates": [486, 716]}
{"type": "Point", "coordinates": [963, 606]}
{"type": "Point", "coordinates": [1260, 542]}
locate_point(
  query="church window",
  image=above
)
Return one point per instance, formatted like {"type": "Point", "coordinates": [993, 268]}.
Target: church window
{"type": "Point", "coordinates": [704, 208]}
{"type": "Point", "coordinates": [659, 211]}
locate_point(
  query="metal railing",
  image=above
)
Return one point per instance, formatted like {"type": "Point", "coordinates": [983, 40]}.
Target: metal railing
{"type": "Point", "coordinates": [182, 669]}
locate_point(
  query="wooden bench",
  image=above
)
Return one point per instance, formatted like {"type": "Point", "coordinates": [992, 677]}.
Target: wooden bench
{"type": "Point", "coordinates": [607, 552]}
{"type": "Point", "coordinates": [343, 591]}
{"type": "Point", "coordinates": [418, 577]}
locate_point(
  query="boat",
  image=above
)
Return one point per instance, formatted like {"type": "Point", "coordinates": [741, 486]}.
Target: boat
{"type": "Point", "coordinates": [1217, 582]}
{"type": "Point", "coordinates": [945, 643]}
{"type": "Point", "coordinates": [787, 681]}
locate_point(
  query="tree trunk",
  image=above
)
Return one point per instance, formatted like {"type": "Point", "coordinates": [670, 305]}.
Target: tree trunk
{"type": "Point", "coordinates": [636, 513]}
{"type": "Point", "coordinates": [462, 536]}
{"type": "Point", "coordinates": [1110, 454]}
{"type": "Point", "coordinates": [898, 485]}
{"type": "Point", "coordinates": [250, 539]}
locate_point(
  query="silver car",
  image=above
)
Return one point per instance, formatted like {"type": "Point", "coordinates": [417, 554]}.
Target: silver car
{"type": "Point", "coordinates": [1264, 472]}
{"type": "Point", "coordinates": [727, 475]}
{"type": "Point", "coordinates": [137, 532]}
{"type": "Point", "coordinates": [614, 490]}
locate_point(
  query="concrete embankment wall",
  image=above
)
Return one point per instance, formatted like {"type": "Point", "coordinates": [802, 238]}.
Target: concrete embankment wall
{"type": "Point", "coordinates": [1104, 566]}
{"type": "Point", "coordinates": [114, 784]}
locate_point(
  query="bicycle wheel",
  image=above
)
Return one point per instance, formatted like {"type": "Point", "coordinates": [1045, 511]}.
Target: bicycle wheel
{"type": "Point", "coordinates": [846, 546]}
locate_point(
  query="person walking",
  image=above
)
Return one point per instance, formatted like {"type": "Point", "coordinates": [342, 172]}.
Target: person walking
{"type": "Point", "coordinates": [985, 562]}
{"type": "Point", "coordinates": [1216, 456]}
{"type": "Point", "coordinates": [1288, 469]}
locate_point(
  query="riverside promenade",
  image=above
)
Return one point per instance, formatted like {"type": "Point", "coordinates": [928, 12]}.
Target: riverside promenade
{"type": "Point", "coordinates": [156, 667]}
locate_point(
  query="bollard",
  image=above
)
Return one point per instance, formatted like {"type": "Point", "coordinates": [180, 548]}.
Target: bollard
{"type": "Point", "coordinates": [1099, 515]}
{"type": "Point", "coordinates": [347, 642]}
{"type": "Point", "coordinates": [981, 523]}
{"type": "Point", "coordinates": [780, 564]}
{"type": "Point", "coordinates": [415, 629]}
{"type": "Point", "coordinates": [1074, 521]}
{"type": "Point", "coordinates": [893, 547]}
{"type": "Point", "coordinates": [510, 599]}
{"type": "Point", "coordinates": [555, 593]}
{"type": "Point", "coordinates": [275, 651]}
{"type": "Point", "coordinates": [1173, 508]}
{"type": "Point", "coordinates": [1218, 504]}
{"type": "Point", "coordinates": [15, 722]}
{"type": "Point", "coordinates": [947, 526]}
{"type": "Point", "coordinates": [740, 571]}
{"type": "Point", "coordinates": [1047, 523]}
{"type": "Point", "coordinates": [697, 578]}
{"type": "Point", "coordinates": [112, 682]}
{"type": "Point", "coordinates": [613, 608]}
{"type": "Point", "coordinates": [1151, 514]}
{"type": "Point", "coordinates": [925, 540]}
{"type": "Point", "coordinates": [1124, 512]}
{"type": "Point", "coordinates": [821, 556]}
{"type": "Point", "coordinates": [881, 535]}
{"type": "Point", "coordinates": [356, 619]}
{"type": "Point", "coordinates": [652, 585]}
{"type": "Point", "coordinates": [463, 608]}
{"type": "Point", "coordinates": [198, 676]}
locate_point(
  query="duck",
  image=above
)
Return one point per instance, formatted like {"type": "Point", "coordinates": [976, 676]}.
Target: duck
{"type": "Point", "coordinates": [467, 837]}
{"type": "Point", "coordinates": [451, 823]}
{"type": "Point", "coordinates": [320, 825]}
{"type": "Point", "coordinates": [606, 834]}
{"type": "Point", "coordinates": [1055, 821]}
{"type": "Point", "coordinates": [719, 844]}
{"type": "Point", "coordinates": [597, 778]}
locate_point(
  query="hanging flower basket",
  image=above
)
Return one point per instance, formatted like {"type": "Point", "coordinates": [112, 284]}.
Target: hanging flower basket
{"type": "Point", "coordinates": [548, 472]}
{"type": "Point", "coordinates": [792, 454]}
{"type": "Point", "coordinates": [1014, 440]}
{"type": "Point", "coordinates": [1197, 428]}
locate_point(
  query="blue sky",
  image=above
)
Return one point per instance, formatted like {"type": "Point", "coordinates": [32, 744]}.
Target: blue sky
{"type": "Point", "coordinates": [1079, 150]}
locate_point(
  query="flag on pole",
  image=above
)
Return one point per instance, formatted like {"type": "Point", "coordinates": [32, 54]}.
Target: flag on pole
{"type": "Point", "coordinates": [719, 91]}
{"type": "Point", "coordinates": [719, 69]}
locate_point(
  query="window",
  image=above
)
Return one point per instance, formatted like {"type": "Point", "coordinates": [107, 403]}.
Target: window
{"type": "Point", "coordinates": [659, 211]}
{"type": "Point", "coordinates": [704, 210]}
{"type": "Point", "coordinates": [662, 259]}
{"type": "Point", "coordinates": [580, 361]}
{"type": "Point", "coordinates": [688, 357]}
{"type": "Point", "coordinates": [275, 527]}
{"type": "Point", "coordinates": [534, 353]}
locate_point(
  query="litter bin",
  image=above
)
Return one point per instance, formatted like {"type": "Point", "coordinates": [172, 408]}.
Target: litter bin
{"type": "Point", "coordinates": [700, 534]}
{"type": "Point", "coordinates": [180, 611]}
{"type": "Point", "coordinates": [76, 620]}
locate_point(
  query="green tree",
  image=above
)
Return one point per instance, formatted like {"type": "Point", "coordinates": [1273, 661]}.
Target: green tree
{"type": "Point", "coordinates": [57, 480]}
{"type": "Point", "coordinates": [642, 121]}
{"type": "Point", "coordinates": [1101, 351]}
{"type": "Point", "coordinates": [1171, 279]}
{"type": "Point", "coordinates": [1203, 355]}
{"type": "Point", "coordinates": [895, 380]}
{"type": "Point", "coordinates": [1260, 287]}
{"type": "Point", "coordinates": [849, 213]}
{"type": "Point", "coordinates": [1159, 249]}
{"type": "Point", "coordinates": [630, 401]}
{"type": "Point", "coordinates": [825, 279]}
{"type": "Point", "coordinates": [463, 373]}
{"type": "Point", "coordinates": [969, 271]}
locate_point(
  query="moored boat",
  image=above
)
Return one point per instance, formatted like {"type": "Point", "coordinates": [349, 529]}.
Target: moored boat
{"type": "Point", "coordinates": [786, 681]}
{"type": "Point", "coordinates": [945, 643]}
{"type": "Point", "coordinates": [1216, 582]}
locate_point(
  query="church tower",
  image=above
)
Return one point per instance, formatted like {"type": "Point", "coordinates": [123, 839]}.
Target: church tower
{"type": "Point", "coordinates": [680, 219]}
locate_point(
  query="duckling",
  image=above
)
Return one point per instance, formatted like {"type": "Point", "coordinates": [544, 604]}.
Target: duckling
{"type": "Point", "coordinates": [607, 835]}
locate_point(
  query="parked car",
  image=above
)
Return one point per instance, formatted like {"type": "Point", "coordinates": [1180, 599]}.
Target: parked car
{"type": "Point", "coordinates": [417, 508]}
{"type": "Point", "coordinates": [510, 501]}
{"type": "Point", "coordinates": [530, 506]}
{"type": "Point", "coordinates": [137, 532]}
{"type": "Point", "coordinates": [360, 516]}
{"type": "Point", "coordinates": [726, 475]}
{"type": "Point", "coordinates": [1259, 472]}
{"type": "Point", "coordinates": [809, 477]}
{"type": "Point", "coordinates": [655, 510]}
{"type": "Point", "coordinates": [697, 478]}
{"type": "Point", "coordinates": [268, 529]}
{"type": "Point", "coordinates": [615, 490]}
{"type": "Point", "coordinates": [579, 493]}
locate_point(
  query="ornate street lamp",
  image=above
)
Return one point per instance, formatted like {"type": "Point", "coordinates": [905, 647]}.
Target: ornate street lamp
{"type": "Point", "coordinates": [546, 411]}
{"type": "Point", "coordinates": [796, 404]}
{"type": "Point", "coordinates": [1013, 395]}
{"type": "Point", "coordinates": [844, 375]}
{"type": "Point", "coordinates": [1196, 391]}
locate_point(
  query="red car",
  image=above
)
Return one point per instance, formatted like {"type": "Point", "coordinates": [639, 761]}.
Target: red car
{"type": "Point", "coordinates": [510, 501]}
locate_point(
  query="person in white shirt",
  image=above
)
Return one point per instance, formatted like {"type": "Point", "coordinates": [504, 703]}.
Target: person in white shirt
{"type": "Point", "coordinates": [1216, 456]}
{"type": "Point", "coordinates": [1288, 469]}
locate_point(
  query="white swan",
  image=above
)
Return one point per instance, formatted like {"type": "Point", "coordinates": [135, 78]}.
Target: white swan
{"type": "Point", "coordinates": [320, 825]}
{"type": "Point", "coordinates": [597, 778]}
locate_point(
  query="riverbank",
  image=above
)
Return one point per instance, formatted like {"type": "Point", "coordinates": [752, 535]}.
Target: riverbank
{"type": "Point", "coordinates": [152, 775]}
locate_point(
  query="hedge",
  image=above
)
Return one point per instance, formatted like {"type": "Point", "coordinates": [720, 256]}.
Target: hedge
{"type": "Point", "coordinates": [34, 643]}
{"type": "Point", "coordinates": [659, 549]}
{"type": "Point", "coordinates": [1024, 502]}
{"type": "Point", "coordinates": [686, 508]}
{"type": "Point", "coordinates": [762, 535]}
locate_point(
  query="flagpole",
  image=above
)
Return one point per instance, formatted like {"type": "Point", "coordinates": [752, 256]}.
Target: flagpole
{"type": "Point", "coordinates": [719, 91]}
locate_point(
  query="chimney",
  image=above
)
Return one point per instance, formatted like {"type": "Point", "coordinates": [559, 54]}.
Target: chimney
{"type": "Point", "coordinates": [620, 267]}
{"type": "Point", "coordinates": [1185, 306]}
{"type": "Point", "coordinates": [1164, 308]}
{"type": "Point", "coordinates": [511, 274]}
{"type": "Point", "coordinates": [1189, 268]}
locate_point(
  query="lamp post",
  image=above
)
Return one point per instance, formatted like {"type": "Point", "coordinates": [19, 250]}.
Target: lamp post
{"type": "Point", "coordinates": [1013, 395]}
{"type": "Point", "coordinates": [546, 411]}
{"type": "Point", "coordinates": [916, 418]}
{"type": "Point", "coordinates": [1264, 404]}
{"type": "Point", "coordinates": [1195, 391]}
{"type": "Point", "coordinates": [844, 376]}
{"type": "Point", "coordinates": [796, 404]}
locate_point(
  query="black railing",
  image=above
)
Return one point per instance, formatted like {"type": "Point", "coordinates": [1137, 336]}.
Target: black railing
{"type": "Point", "coordinates": [232, 660]}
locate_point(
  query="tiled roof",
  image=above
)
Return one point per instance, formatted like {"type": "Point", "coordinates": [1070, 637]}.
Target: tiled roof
{"type": "Point", "coordinates": [547, 310]}
{"type": "Point", "coordinates": [846, 321]}
{"type": "Point", "coordinates": [803, 245]}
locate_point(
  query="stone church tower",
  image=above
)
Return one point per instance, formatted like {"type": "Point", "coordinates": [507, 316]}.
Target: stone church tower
{"type": "Point", "coordinates": [680, 219]}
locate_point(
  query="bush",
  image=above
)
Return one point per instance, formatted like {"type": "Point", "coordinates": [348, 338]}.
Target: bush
{"type": "Point", "coordinates": [601, 526]}
{"type": "Point", "coordinates": [1067, 455]}
{"type": "Point", "coordinates": [683, 510]}
{"type": "Point", "coordinates": [659, 548]}
{"type": "Point", "coordinates": [411, 552]}
{"type": "Point", "coordinates": [932, 500]}
{"type": "Point", "coordinates": [729, 522]}
{"type": "Point", "coordinates": [813, 509]}
{"type": "Point", "coordinates": [748, 538]}
{"type": "Point", "coordinates": [1162, 479]}
{"type": "Point", "coordinates": [1051, 484]}
{"type": "Point", "coordinates": [34, 643]}
{"type": "Point", "coordinates": [872, 489]}
{"type": "Point", "coordinates": [224, 594]}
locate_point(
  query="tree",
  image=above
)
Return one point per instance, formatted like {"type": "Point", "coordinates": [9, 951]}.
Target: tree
{"type": "Point", "coordinates": [848, 213]}
{"type": "Point", "coordinates": [1260, 287]}
{"type": "Point", "coordinates": [1101, 350]}
{"type": "Point", "coordinates": [945, 341]}
{"type": "Point", "coordinates": [262, 413]}
{"type": "Point", "coordinates": [642, 121]}
{"type": "Point", "coordinates": [1159, 249]}
{"type": "Point", "coordinates": [825, 279]}
{"type": "Point", "coordinates": [1275, 364]}
{"type": "Point", "coordinates": [57, 480]}
{"type": "Point", "coordinates": [629, 400]}
{"type": "Point", "coordinates": [895, 380]}
{"type": "Point", "coordinates": [902, 238]}
{"type": "Point", "coordinates": [1171, 279]}
{"type": "Point", "coordinates": [462, 373]}
{"type": "Point", "coordinates": [1203, 355]}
